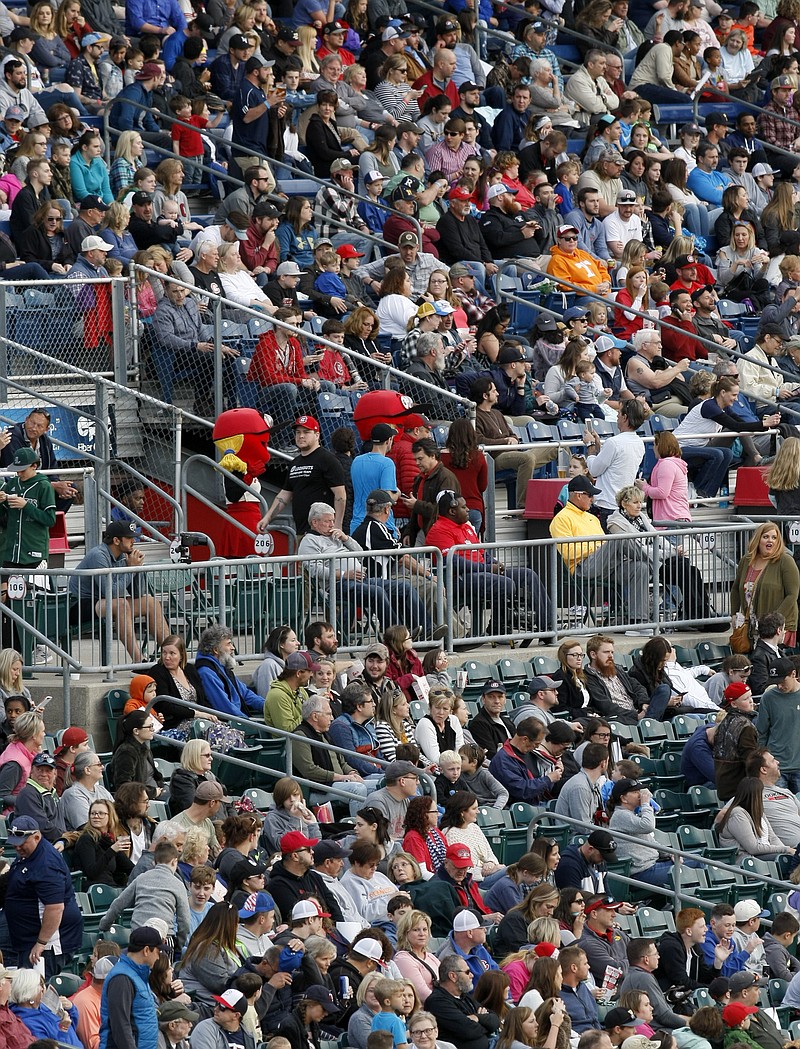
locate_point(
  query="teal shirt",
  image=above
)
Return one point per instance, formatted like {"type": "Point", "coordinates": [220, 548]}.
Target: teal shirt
{"type": "Point", "coordinates": [27, 537]}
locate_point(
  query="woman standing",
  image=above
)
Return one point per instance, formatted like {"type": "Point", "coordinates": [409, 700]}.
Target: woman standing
{"type": "Point", "coordinates": [88, 170]}
{"type": "Point", "coordinates": [413, 958]}
{"type": "Point", "coordinates": [439, 729]}
{"type": "Point", "coordinates": [464, 458]}
{"type": "Point", "coordinates": [668, 487]}
{"type": "Point", "coordinates": [422, 839]}
{"type": "Point", "coordinates": [289, 814]}
{"type": "Point", "coordinates": [767, 580]}
{"type": "Point", "coordinates": [783, 478]}
{"type": "Point", "coordinates": [102, 851]}
{"type": "Point", "coordinates": [132, 759]}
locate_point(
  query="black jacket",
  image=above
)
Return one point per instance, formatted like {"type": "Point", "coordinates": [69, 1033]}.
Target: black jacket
{"type": "Point", "coordinates": [452, 1015]}
{"type": "Point", "coordinates": [460, 241]}
{"type": "Point", "coordinates": [165, 683]}
{"type": "Point", "coordinates": [671, 971]}
{"type": "Point", "coordinates": [100, 864]}
{"type": "Point", "coordinates": [299, 1035]}
{"type": "Point", "coordinates": [600, 698]}
{"type": "Point", "coordinates": [287, 888]}
{"type": "Point", "coordinates": [132, 762]}
{"type": "Point", "coordinates": [488, 734]}
{"type": "Point", "coordinates": [503, 235]}
{"type": "Point", "coordinates": [762, 657]}
{"type": "Point", "coordinates": [34, 246]}
{"type": "Point", "coordinates": [24, 208]}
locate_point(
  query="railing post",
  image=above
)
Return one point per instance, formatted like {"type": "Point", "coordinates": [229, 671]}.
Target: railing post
{"type": "Point", "coordinates": [102, 451]}
{"type": "Point", "coordinates": [218, 358]}
{"type": "Point", "coordinates": [119, 332]}
{"type": "Point", "coordinates": [177, 428]}
{"type": "Point", "coordinates": [3, 343]}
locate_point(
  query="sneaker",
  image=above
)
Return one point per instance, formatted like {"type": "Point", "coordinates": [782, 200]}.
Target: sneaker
{"type": "Point", "coordinates": [42, 654]}
{"type": "Point", "coordinates": [439, 632]}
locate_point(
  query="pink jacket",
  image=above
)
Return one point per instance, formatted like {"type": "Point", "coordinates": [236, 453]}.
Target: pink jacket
{"type": "Point", "coordinates": [669, 490]}
{"type": "Point", "coordinates": [19, 753]}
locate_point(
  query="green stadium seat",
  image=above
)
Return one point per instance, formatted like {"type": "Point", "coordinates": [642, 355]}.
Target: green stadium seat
{"type": "Point", "coordinates": [710, 654]}
{"type": "Point", "coordinates": [653, 922]}
{"type": "Point", "coordinates": [543, 666]}
{"type": "Point", "coordinates": [512, 671]}
{"type": "Point", "coordinates": [65, 983]}
{"type": "Point", "coordinates": [418, 708]}
{"type": "Point", "coordinates": [261, 799]}
{"type": "Point", "coordinates": [101, 897]}
{"type": "Point", "coordinates": [114, 701]}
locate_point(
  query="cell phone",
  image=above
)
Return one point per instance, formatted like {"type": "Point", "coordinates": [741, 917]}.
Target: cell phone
{"type": "Point", "coordinates": [44, 702]}
{"type": "Point", "coordinates": [590, 426]}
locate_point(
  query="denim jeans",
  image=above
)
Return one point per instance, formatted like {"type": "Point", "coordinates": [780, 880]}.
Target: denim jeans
{"type": "Point", "coordinates": [790, 780]}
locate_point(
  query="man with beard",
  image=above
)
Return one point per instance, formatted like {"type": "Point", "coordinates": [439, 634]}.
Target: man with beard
{"type": "Point", "coordinates": [586, 220]}
{"type": "Point", "coordinates": [429, 365]}
{"type": "Point", "coordinates": [321, 640]}
{"type": "Point", "coordinates": [215, 664]}
{"type": "Point", "coordinates": [457, 1014]}
{"type": "Point", "coordinates": [507, 232]}
{"type": "Point", "coordinates": [612, 691]}
{"type": "Point", "coordinates": [376, 661]}
{"type": "Point", "coordinates": [460, 234]}
{"type": "Point", "coordinates": [579, 267]}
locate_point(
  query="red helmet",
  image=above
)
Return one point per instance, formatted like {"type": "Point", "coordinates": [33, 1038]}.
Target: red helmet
{"type": "Point", "coordinates": [388, 406]}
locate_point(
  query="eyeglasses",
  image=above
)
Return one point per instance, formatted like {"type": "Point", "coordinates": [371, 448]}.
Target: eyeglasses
{"type": "Point", "coordinates": [53, 218]}
{"type": "Point", "coordinates": [567, 238]}
{"type": "Point", "coordinates": [453, 134]}
{"type": "Point", "coordinates": [426, 1032]}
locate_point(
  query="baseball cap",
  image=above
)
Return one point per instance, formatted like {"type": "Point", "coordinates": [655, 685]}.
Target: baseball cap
{"type": "Point", "coordinates": [288, 35]}
{"type": "Point", "coordinates": [374, 176]}
{"type": "Point", "coordinates": [539, 684]}
{"type": "Point", "coordinates": [44, 760]}
{"type": "Point", "coordinates": [735, 690]}
{"type": "Point", "coordinates": [458, 269]}
{"type": "Point", "coordinates": [301, 661]}
{"type": "Point", "coordinates": [15, 113]}
{"type": "Point", "coordinates": [171, 1010]}
{"type": "Point", "coordinates": [510, 355]}
{"type": "Point", "coordinates": [719, 987]}
{"type": "Point", "coordinates": [323, 242]}
{"type": "Point", "coordinates": [329, 850]}
{"type": "Point", "coordinates": [95, 202]}
{"type": "Point", "coordinates": [459, 193]}
{"type": "Point", "coordinates": [408, 239]}
{"type": "Point", "coordinates": [639, 1041]}
{"type": "Point", "coordinates": [779, 82]}
{"type": "Point", "coordinates": [233, 1000]}
{"type": "Point", "coordinates": [369, 948]}
{"type": "Point", "coordinates": [685, 260]}
{"type": "Point", "coordinates": [425, 309]}
{"type": "Point", "coordinates": [306, 422]}
{"type": "Point", "coordinates": [307, 909]}
{"type": "Point", "coordinates": [442, 308]}
{"type": "Point", "coordinates": [497, 189]}
{"type": "Point", "coordinates": [103, 966]}
{"type": "Point", "coordinates": [604, 843]}
{"type": "Point", "coordinates": [377, 649]}
{"type": "Point", "coordinates": [601, 903]}
{"type": "Point", "coordinates": [402, 192]}
{"type": "Point", "coordinates": [317, 993]}
{"type": "Point", "coordinates": [21, 828]}
{"type": "Point", "coordinates": [689, 129]}
{"type": "Point", "coordinates": [145, 936]}
{"type": "Point", "coordinates": [733, 1014]}
{"type": "Point", "coordinates": [72, 738]}
{"type": "Point", "coordinates": [446, 26]}
{"type": "Point", "coordinates": [763, 169]}
{"type": "Point", "coordinates": [740, 981]}
{"type": "Point", "coordinates": [626, 196]}
{"type": "Point", "coordinates": [619, 1017]}
{"type": "Point", "coordinates": [333, 27]}
{"type": "Point", "coordinates": [582, 484]}
{"type": "Point", "coordinates": [566, 228]}
{"type": "Point", "coordinates": [539, 26]}
{"type": "Point", "coordinates": [406, 127]}
{"type": "Point", "coordinates": [149, 71]}
{"type": "Point", "coordinates": [141, 197]}
{"type": "Point", "coordinates": [394, 33]}
{"type": "Point", "coordinates": [341, 164]}
{"type": "Point", "coordinates": [256, 903]}
{"type": "Point", "coordinates": [493, 685]}
{"type": "Point", "coordinates": [294, 840]}
{"type": "Point", "coordinates": [120, 530]}
{"type": "Point", "coordinates": [613, 154]}
{"type": "Point", "coordinates": [604, 343]}
{"type": "Point", "coordinates": [468, 85]}
{"type": "Point", "coordinates": [86, 41]}
{"type": "Point", "coordinates": [347, 251]}
{"type": "Point", "coordinates": [382, 432]}
{"type": "Point", "coordinates": [288, 269]}
{"type": "Point", "coordinates": [396, 770]}
{"type": "Point", "coordinates": [466, 921]}
{"type": "Point", "coordinates": [780, 669]}
{"type": "Point", "coordinates": [575, 313]}
{"type": "Point", "coordinates": [246, 868]}
{"type": "Point", "coordinates": [459, 856]}
{"type": "Point", "coordinates": [94, 244]}
{"type": "Point", "coordinates": [238, 42]}
{"type": "Point", "coordinates": [696, 294]}
{"type": "Point", "coordinates": [23, 458]}
{"type": "Point", "coordinates": [257, 62]}
{"type": "Point", "coordinates": [624, 786]}
{"type": "Point", "coordinates": [714, 119]}
{"type": "Point", "coordinates": [210, 791]}
{"type": "Point", "coordinates": [240, 234]}
{"type": "Point", "coordinates": [546, 323]}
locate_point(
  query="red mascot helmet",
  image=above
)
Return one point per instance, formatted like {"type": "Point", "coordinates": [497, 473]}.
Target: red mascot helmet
{"type": "Point", "coordinates": [387, 406]}
{"type": "Point", "coordinates": [244, 433]}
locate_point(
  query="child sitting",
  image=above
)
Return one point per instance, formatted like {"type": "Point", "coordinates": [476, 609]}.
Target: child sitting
{"type": "Point", "coordinates": [585, 389]}
{"type": "Point", "coordinates": [567, 173]}
{"type": "Point", "coordinates": [479, 781]}
{"type": "Point", "coordinates": [373, 214]}
{"type": "Point", "coordinates": [335, 366]}
{"type": "Point", "coordinates": [329, 282]}
{"type": "Point", "coordinates": [449, 780]}
{"type": "Point", "coordinates": [389, 994]}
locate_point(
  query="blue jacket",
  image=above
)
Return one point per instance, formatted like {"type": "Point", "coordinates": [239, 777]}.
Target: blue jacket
{"type": "Point", "coordinates": [508, 129]}
{"type": "Point", "coordinates": [44, 1024]}
{"type": "Point", "coordinates": [89, 179]}
{"type": "Point", "coordinates": [697, 760]}
{"type": "Point", "coordinates": [125, 117]}
{"type": "Point", "coordinates": [479, 960]}
{"type": "Point", "coordinates": [708, 185]}
{"type": "Point", "coordinates": [581, 1008]}
{"type": "Point", "coordinates": [735, 962]}
{"type": "Point", "coordinates": [223, 691]}
{"type": "Point", "coordinates": [141, 1009]}
{"type": "Point", "coordinates": [510, 768]}
{"type": "Point", "coordinates": [346, 733]}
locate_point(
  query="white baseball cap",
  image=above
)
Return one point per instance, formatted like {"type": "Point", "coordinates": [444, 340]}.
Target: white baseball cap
{"type": "Point", "coordinates": [466, 921]}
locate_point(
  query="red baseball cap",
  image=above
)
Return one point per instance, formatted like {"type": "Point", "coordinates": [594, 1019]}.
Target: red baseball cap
{"type": "Point", "coordinates": [307, 422]}
{"type": "Point", "coordinates": [459, 855]}
{"type": "Point", "coordinates": [733, 1014]}
{"type": "Point", "coordinates": [295, 840]}
{"type": "Point", "coordinates": [347, 251]}
{"type": "Point", "coordinates": [734, 691]}
{"type": "Point", "coordinates": [459, 193]}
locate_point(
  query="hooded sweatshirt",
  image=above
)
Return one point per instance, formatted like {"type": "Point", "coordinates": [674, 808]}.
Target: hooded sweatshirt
{"type": "Point", "coordinates": [669, 490]}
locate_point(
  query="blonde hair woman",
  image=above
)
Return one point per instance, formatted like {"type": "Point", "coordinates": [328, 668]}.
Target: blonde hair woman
{"type": "Point", "coordinates": [11, 683]}
{"type": "Point", "coordinates": [767, 580]}
{"type": "Point", "coordinates": [306, 52]}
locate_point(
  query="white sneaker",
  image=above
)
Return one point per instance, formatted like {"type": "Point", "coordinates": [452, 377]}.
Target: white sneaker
{"type": "Point", "coordinates": [42, 654]}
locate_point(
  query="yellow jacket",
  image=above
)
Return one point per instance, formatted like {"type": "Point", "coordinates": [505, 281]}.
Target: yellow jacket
{"type": "Point", "coordinates": [574, 523]}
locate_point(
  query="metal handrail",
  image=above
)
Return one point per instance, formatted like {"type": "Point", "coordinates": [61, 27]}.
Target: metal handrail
{"type": "Point", "coordinates": [279, 733]}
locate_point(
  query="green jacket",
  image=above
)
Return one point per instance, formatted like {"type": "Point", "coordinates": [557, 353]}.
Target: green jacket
{"type": "Point", "coordinates": [776, 591]}
{"type": "Point", "coordinates": [27, 537]}
{"type": "Point", "coordinates": [283, 706]}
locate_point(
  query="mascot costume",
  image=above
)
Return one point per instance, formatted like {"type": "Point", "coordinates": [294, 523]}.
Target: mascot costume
{"type": "Point", "coordinates": [242, 435]}
{"type": "Point", "coordinates": [387, 406]}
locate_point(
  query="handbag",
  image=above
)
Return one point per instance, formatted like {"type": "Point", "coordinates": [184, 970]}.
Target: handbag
{"type": "Point", "coordinates": [740, 638]}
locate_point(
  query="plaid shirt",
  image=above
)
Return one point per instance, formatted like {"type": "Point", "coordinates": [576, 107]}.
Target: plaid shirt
{"type": "Point", "coordinates": [475, 307]}
{"type": "Point", "coordinates": [777, 132]}
{"type": "Point", "coordinates": [332, 204]}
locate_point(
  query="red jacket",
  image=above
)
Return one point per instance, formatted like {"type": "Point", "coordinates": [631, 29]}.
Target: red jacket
{"type": "Point", "coordinates": [402, 678]}
{"type": "Point", "coordinates": [445, 533]}
{"type": "Point", "coordinates": [406, 469]}
{"type": "Point", "coordinates": [677, 341]}
{"type": "Point", "coordinates": [267, 369]}
{"type": "Point", "coordinates": [254, 253]}
{"type": "Point", "coordinates": [430, 90]}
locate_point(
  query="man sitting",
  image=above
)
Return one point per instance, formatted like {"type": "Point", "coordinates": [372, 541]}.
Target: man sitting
{"type": "Point", "coordinates": [567, 260]}
{"type": "Point", "coordinates": [215, 664]}
{"type": "Point", "coordinates": [325, 766]}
